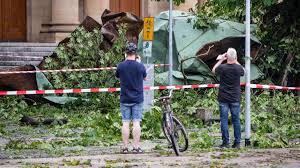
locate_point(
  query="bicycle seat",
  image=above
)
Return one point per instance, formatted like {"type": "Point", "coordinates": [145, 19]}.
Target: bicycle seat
{"type": "Point", "coordinates": [160, 99]}
{"type": "Point", "coordinates": [165, 97]}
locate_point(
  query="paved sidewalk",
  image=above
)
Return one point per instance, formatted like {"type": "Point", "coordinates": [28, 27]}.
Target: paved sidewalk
{"type": "Point", "coordinates": [110, 157]}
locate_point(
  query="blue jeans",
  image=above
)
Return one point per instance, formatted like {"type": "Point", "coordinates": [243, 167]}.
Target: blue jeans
{"type": "Point", "coordinates": [132, 111]}
{"type": "Point", "coordinates": [235, 115]}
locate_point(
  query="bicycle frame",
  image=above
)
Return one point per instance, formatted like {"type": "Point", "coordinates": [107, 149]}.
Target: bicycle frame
{"type": "Point", "coordinates": [168, 113]}
{"type": "Point", "coordinates": [170, 123]}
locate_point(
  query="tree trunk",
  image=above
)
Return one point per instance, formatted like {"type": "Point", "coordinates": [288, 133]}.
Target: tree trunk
{"type": "Point", "coordinates": [289, 60]}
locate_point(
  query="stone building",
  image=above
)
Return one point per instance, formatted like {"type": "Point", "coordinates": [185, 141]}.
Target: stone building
{"type": "Point", "coordinates": [53, 20]}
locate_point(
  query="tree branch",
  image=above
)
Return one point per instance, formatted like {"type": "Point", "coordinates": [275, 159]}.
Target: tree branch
{"type": "Point", "coordinates": [197, 56]}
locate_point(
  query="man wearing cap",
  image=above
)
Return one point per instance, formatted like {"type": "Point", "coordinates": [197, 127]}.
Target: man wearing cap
{"type": "Point", "coordinates": [131, 74]}
{"type": "Point", "coordinates": [229, 95]}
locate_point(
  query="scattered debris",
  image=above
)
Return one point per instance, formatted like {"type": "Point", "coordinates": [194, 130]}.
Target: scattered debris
{"type": "Point", "coordinates": [34, 122]}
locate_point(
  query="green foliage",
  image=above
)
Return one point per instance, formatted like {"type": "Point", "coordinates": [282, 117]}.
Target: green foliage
{"type": "Point", "coordinates": [151, 124]}
{"type": "Point", "coordinates": [84, 51]}
{"type": "Point", "coordinates": [203, 141]}
{"type": "Point", "coordinates": [2, 130]}
{"type": "Point", "coordinates": [226, 155]}
{"type": "Point", "coordinates": [203, 22]}
{"type": "Point", "coordinates": [278, 30]}
{"type": "Point", "coordinates": [280, 46]}
{"type": "Point", "coordinates": [11, 108]}
{"type": "Point", "coordinates": [27, 165]}
{"type": "Point", "coordinates": [19, 145]}
{"type": "Point", "coordinates": [97, 122]}
{"type": "Point", "coordinates": [274, 119]}
{"type": "Point", "coordinates": [176, 2]}
{"type": "Point", "coordinates": [234, 9]}
{"type": "Point", "coordinates": [75, 162]}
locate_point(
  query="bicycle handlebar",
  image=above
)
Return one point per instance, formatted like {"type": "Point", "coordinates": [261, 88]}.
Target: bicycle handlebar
{"type": "Point", "coordinates": [171, 92]}
{"type": "Point", "coordinates": [165, 97]}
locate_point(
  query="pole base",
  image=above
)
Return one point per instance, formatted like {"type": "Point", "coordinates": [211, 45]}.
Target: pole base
{"type": "Point", "coordinates": [247, 142]}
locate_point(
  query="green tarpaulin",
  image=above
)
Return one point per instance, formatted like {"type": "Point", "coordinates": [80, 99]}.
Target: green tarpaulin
{"type": "Point", "coordinates": [189, 42]}
{"type": "Point", "coordinates": [44, 84]}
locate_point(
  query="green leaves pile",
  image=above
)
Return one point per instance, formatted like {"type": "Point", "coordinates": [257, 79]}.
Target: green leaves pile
{"type": "Point", "coordinates": [176, 2]}
{"type": "Point", "coordinates": [84, 51]}
{"type": "Point", "coordinates": [275, 122]}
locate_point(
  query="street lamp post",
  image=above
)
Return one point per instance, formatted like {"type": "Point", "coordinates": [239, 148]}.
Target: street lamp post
{"type": "Point", "coordinates": [170, 42]}
{"type": "Point", "coordinates": [248, 73]}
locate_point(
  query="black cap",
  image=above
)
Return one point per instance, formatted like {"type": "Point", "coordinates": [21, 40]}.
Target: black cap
{"type": "Point", "coordinates": [131, 48]}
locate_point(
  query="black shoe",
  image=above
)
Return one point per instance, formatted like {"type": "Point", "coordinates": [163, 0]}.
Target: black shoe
{"type": "Point", "coordinates": [137, 151]}
{"type": "Point", "coordinates": [124, 151]}
{"type": "Point", "coordinates": [236, 145]}
{"type": "Point", "coordinates": [224, 145]}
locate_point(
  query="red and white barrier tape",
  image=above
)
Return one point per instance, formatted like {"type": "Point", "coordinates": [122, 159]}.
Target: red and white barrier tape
{"type": "Point", "coordinates": [272, 87]}
{"type": "Point", "coordinates": [61, 70]}
{"type": "Point", "coordinates": [95, 90]}
{"type": "Point", "coordinates": [69, 70]}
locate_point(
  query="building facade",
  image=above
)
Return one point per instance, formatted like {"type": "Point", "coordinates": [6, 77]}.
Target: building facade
{"type": "Point", "coordinates": [53, 20]}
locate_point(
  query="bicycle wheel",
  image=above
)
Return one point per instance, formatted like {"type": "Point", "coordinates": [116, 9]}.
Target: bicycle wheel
{"type": "Point", "coordinates": [164, 129]}
{"type": "Point", "coordinates": [174, 143]}
{"type": "Point", "coordinates": [180, 134]}
{"type": "Point", "coordinates": [168, 126]}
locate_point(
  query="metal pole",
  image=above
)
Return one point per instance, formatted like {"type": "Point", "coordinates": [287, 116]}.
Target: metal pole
{"type": "Point", "coordinates": [248, 73]}
{"type": "Point", "coordinates": [170, 42]}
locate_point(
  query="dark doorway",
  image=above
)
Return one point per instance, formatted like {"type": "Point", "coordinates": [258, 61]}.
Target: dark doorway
{"type": "Point", "coordinates": [13, 20]}
{"type": "Point", "coordinates": [126, 6]}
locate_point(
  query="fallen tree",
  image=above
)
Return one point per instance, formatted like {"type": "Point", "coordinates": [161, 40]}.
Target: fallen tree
{"type": "Point", "coordinates": [90, 45]}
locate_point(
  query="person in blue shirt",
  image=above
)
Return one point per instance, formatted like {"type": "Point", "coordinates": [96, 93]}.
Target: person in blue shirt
{"type": "Point", "coordinates": [131, 74]}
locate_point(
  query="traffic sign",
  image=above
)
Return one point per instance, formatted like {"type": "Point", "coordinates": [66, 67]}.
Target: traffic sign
{"type": "Point", "coordinates": [147, 49]}
{"type": "Point", "coordinates": [148, 28]}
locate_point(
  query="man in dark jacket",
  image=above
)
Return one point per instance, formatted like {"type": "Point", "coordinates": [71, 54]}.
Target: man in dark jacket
{"type": "Point", "coordinates": [131, 74]}
{"type": "Point", "coordinates": [229, 94]}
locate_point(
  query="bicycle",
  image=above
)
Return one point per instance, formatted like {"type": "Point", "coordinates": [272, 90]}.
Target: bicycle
{"type": "Point", "coordinates": [172, 128]}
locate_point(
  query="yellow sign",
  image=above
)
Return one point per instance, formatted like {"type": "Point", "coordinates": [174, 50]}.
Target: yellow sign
{"type": "Point", "coordinates": [148, 28]}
